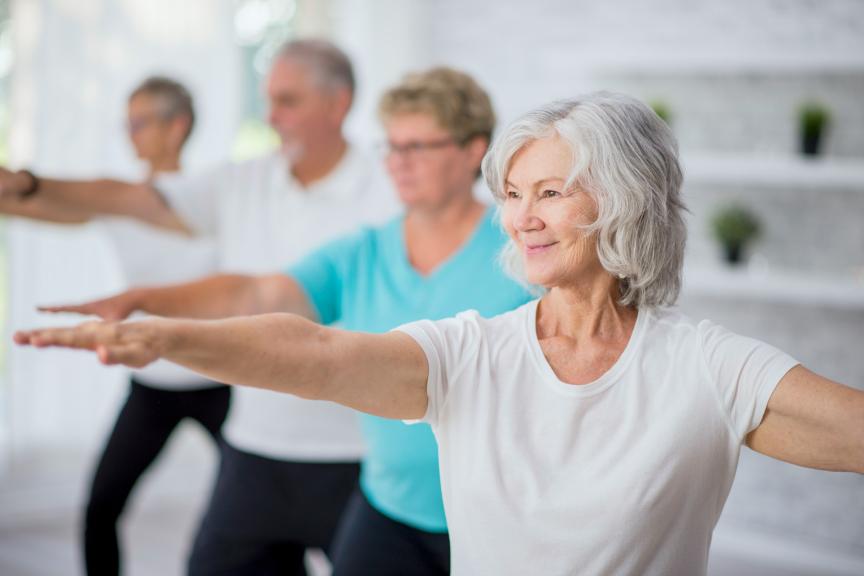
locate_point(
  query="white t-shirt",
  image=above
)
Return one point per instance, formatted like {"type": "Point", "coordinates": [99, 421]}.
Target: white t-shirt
{"type": "Point", "coordinates": [625, 475]}
{"type": "Point", "coordinates": [263, 220]}
{"type": "Point", "coordinates": [149, 256]}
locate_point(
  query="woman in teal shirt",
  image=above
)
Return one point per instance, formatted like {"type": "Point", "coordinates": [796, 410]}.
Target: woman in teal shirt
{"type": "Point", "coordinates": [437, 259]}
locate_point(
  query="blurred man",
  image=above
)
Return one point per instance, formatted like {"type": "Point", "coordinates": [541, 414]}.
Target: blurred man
{"type": "Point", "coordinates": [288, 465]}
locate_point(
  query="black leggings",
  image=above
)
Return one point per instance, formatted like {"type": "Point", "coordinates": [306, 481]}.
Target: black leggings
{"type": "Point", "coordinates": [368, 542]}
{"type": "Point", "coordinates": [264, 514]}
{"type": "Point", "coordinates": [143, 426]}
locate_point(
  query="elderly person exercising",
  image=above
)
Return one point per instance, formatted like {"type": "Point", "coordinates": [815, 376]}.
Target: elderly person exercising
{"type": "Point", "coordinates": [436, 260]}
{"type": "Point", "coordinates": [593, 430]}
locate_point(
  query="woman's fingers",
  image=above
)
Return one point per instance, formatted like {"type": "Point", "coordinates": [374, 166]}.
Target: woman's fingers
{"type": "Point", "coordinates": [114, 343]}
{"type": "Point", "coordinates": [134, 355]}
{"type": "Point", "coordinates": [107, 309]}
{"type": "Point", "coordinates": [86, 336]}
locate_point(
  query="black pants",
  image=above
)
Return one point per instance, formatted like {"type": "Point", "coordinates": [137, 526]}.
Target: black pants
{"type": "Point", "coordinates": [143, 426]}
{"type": "Point", "coordinates": [369, 542]}
{"type": "Point", "coordinates": [264, 514]}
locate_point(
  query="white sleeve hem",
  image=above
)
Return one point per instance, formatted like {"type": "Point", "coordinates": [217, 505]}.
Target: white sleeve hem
{"type": "Point", "coordinates": [419, 335]}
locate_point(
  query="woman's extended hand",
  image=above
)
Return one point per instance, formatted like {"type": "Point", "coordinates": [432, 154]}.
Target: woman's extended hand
{"type": "Point", "coordinates": [130, 343]}
{"type": "Point", "coordinates": [113, 308]}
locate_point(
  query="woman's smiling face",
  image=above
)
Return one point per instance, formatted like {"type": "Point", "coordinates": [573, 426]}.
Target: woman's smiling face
{"type": "Point", "coordinates": [544, 219]}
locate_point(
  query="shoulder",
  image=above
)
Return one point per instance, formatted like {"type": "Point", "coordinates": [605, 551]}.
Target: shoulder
{"type": "Point", "coordinates": [471, 330]}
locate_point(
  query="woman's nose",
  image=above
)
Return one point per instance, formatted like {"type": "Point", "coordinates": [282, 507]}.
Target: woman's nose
{"type": "Point", "coordinates": [526, 218]}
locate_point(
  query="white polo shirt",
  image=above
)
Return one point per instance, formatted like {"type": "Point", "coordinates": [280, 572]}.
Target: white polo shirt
{"type": "Point", "coordinates": [263, 220]}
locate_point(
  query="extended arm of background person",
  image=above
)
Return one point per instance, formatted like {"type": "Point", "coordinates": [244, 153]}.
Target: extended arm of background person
{"type": "Point", "coordinates": [218, 296]}
{"type": "Point", "coordinates": [38, 209]}
{"type": "Point", "coordinates": [90, 198]}
{"type": "Point", "coordinates": [812, 421]}
{"type": "Point", "coordinates": [381, 374]}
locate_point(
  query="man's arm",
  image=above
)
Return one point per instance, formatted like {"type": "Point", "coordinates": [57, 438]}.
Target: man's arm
{"type": "Point", "coordinates": [218, 296]}
{"type": "Point", "coordinates": [381, 374]}
{"type": "Point", "coordinates": [86, 198]}
{"type": "Point", "coordinates": [812, 421]}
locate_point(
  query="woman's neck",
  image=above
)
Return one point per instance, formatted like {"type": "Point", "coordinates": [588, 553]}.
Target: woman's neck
{"type": "Point", "coordinates": [433, 234]}
{"type": "Point", "coordinates": [164, 165]}
{"type": "Point", "coordinates": [586, 311]}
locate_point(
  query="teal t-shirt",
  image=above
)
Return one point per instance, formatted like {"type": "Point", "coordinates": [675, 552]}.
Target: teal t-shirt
{"type": "Point", "coordinates": [365, 283]}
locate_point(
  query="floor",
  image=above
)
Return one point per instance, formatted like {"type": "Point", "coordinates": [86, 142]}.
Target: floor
{"type": "Point", "coordinates": [40, 507]}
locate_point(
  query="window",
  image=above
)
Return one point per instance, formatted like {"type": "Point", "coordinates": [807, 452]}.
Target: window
{"type": "Point", "coordinates": [260, 27]}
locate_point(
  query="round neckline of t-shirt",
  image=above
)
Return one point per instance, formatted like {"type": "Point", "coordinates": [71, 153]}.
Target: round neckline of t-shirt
{"type": "Point", "coordinates": [597, 386]}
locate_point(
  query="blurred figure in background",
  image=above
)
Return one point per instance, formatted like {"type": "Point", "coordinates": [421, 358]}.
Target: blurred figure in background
{"type": "Point", "coordinates": [437, 259]}
{"type": "Point", "coordinates": [288, 465]}
{"type": "Point", "coordinates": [160, 119]}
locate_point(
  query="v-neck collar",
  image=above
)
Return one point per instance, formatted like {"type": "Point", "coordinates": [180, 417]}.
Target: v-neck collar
{"type": "Point", "coordinates": [465, 248]}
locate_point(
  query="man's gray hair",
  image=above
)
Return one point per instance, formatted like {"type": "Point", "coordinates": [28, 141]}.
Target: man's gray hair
{"type": "Point", "coordinates": [626, 158]}
{"type": "Point", "coordinates": [325, 60]}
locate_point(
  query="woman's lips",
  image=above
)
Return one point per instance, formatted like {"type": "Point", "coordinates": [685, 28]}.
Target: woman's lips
{"type": "Point", "coordinates": [538, 248]}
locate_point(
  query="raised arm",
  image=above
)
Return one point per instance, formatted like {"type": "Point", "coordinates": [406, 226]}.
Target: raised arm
{"type": "Point", "coordinates": [77, 201]}
{"type": "Point", "coordinates": [812, 421]}
{"type": "Point", "coordinates": [381, 374]}
{"type": "Point", "coordinates": [218, 296]}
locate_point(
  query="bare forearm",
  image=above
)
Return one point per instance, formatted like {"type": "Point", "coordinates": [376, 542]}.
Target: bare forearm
{"type": "Point", "coordinates": [106, 197]}
{"type": "Point", "coordinates": [94, 196]}
{"type": "Point", "coordinates": [280, 352]}
{"type": "Point", "coordinates": [382, 374]}
{"type": "Point", "coordinates": [213, 297]}
{"type": "Point", "coordinates": [223, 296]}
{"type": "Point", "coordinates": [39, 209]}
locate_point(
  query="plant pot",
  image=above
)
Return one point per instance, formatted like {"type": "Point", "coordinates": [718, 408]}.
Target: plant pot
{"type": "Point", "coordinates": [733, 254]}
{"type": "Point", "coordinates": [810, 142]}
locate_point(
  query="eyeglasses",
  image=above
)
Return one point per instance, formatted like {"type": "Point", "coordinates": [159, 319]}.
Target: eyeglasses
{"type": "Point", "coordinates": [135, 125]}
{"type": "Point", "coordinates": [412, 149]}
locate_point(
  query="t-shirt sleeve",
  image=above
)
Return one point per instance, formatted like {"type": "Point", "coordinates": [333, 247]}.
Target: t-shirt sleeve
{"type": "Point", "coordinates": [195, 198]}
{"type": "Point", "coordinates": [445, 344]}
{"type": "Point", "coordinates": [745, 372]}
{"type": "Point", "coordinates": [325, 274]}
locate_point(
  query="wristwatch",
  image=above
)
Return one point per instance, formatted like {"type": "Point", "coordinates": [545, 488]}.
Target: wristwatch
{"type": "Point", "coordinates": [32, 189]}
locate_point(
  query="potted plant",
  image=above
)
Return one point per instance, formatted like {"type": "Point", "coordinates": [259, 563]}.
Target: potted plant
{"type": "Point", "coordinates": [734, 227]}
{"type": "Point", "coordinates": [662, 110]}
{"type": "Point", "coordinates": [813, 121]}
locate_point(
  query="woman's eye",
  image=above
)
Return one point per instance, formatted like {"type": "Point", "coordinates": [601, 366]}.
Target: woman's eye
{"type": "Point", "coordinates": [550, 193]}
{"type": "Point", "coordinates": [512, 194]}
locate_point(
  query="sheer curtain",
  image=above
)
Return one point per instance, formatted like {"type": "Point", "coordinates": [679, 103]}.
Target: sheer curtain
{"type": "Point", "coordinates": [75, 62]}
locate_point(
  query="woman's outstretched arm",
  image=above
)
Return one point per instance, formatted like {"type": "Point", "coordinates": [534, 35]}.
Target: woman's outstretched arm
{"type": "Point", "coordinates": [381, 374]}
{"type": "Point", "coordinates": [812, 421]}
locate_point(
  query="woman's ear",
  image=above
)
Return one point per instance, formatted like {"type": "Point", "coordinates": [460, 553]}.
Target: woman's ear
{"type": "Point", "coordinates": [477, 147]}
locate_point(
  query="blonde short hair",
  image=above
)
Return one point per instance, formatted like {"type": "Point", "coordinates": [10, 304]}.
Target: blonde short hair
{"type": "Point", "coordinates": [452, 97]}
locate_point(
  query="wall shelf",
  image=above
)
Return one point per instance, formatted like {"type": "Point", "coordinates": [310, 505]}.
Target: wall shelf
{"type": "Point", "coordinates": [793, 172]}
{"type": "Point", "coordinates": [804, 288]}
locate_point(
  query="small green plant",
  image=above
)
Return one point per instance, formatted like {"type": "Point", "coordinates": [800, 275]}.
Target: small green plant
{"type": "Point", "coordinates": [813, 119]}
{"type": "Point", "coordinates": [662, 110]}
{"type": "Point", "coordinates": [734, 227]}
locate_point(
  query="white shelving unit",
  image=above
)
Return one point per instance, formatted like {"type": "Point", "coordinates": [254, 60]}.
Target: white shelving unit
{"type": "Point", "coordinates": [798, 288]}
{"type": "Point", "coordinates": [792, 172]}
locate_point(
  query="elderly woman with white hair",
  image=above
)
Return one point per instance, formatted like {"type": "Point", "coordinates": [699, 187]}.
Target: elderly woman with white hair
{"type": "Point", "coordinates": [592, 431]}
